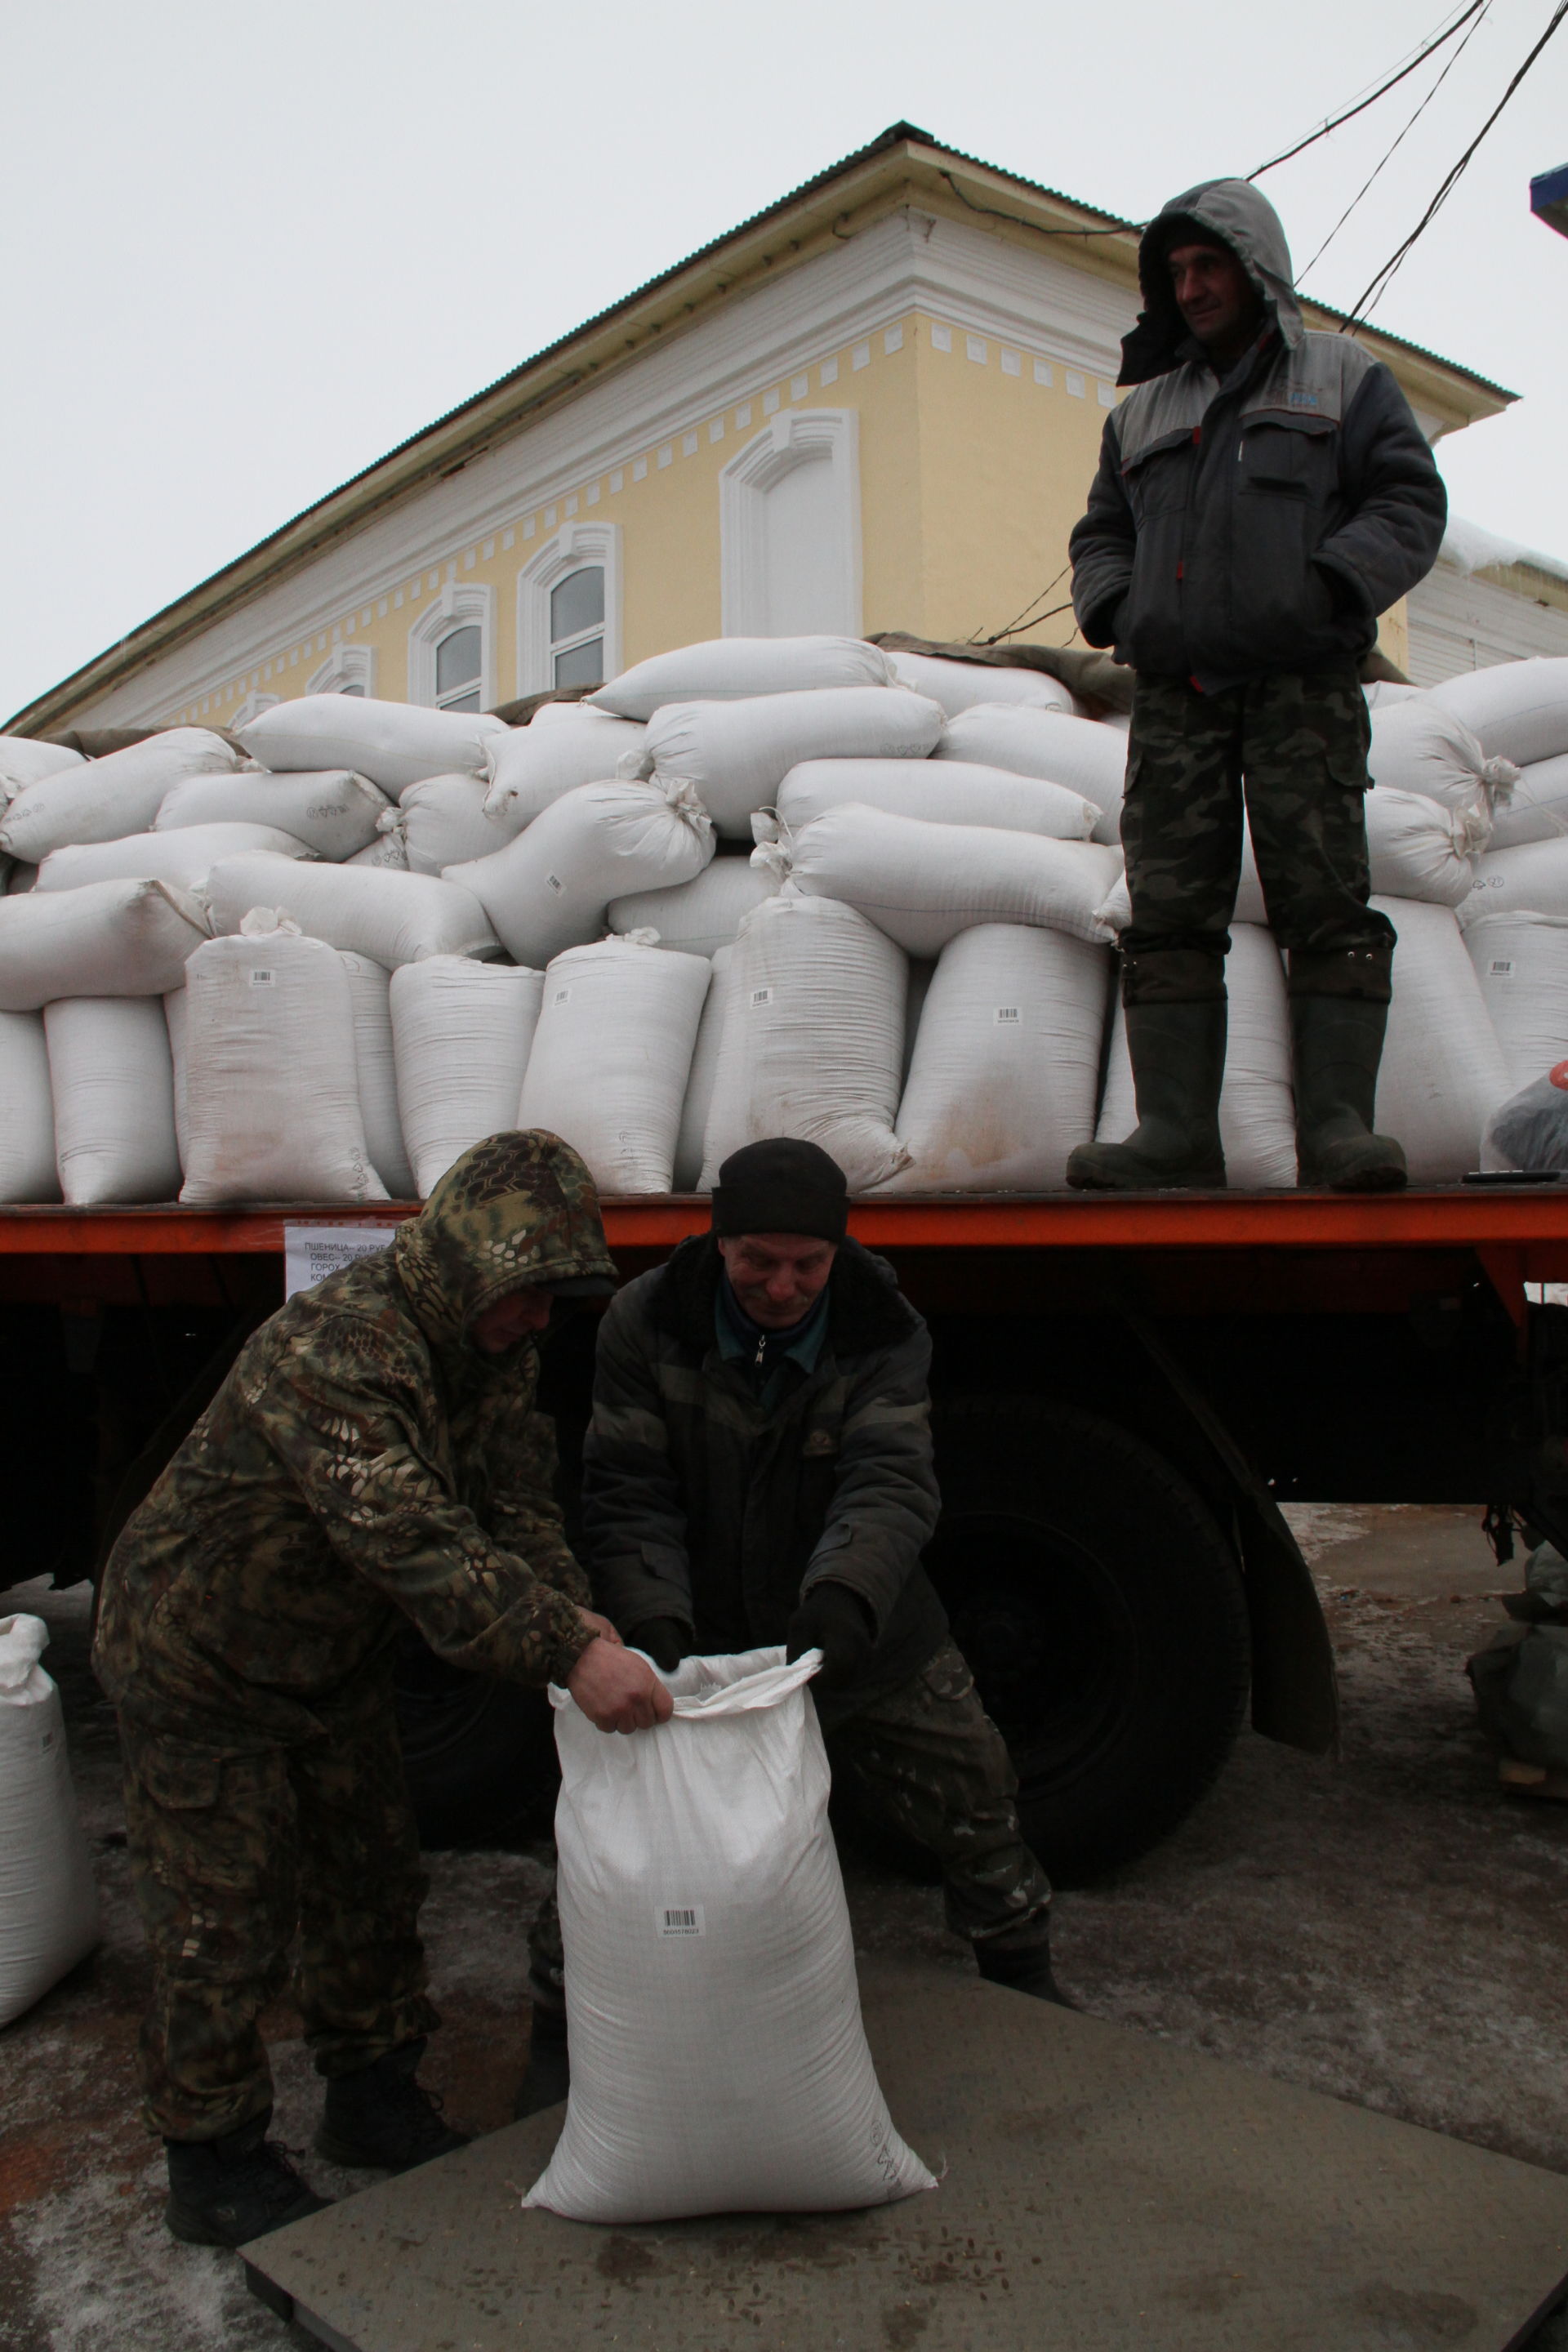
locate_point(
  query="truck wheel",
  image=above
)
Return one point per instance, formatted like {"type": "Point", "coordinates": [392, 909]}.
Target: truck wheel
{"type": "Point", "coordinates": [1102, 1611]}
{"type": "Point", "coordinates": [479, 1756]}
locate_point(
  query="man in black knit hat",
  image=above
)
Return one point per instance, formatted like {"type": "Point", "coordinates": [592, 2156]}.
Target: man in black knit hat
{"type": "Point", "coordinates": [758, 1470]}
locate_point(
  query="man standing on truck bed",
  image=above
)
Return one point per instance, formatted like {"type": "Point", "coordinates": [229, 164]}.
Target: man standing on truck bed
{"type": "Point", "coordinates": [1263, 495]}
{"type": "Point", "coordinates": [374, 1456]}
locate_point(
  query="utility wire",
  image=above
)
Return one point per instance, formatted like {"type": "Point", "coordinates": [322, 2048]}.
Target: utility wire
{"type": "Point", "coordinates": [1399, 143]}
{"type": "Point", "coordinates": [1382, 90]}
{"type": "Point", "coordinates": [1023, 620]}
{"type": "Point", "coordinates": [1373, 293]}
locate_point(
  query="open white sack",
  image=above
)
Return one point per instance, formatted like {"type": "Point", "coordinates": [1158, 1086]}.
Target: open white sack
{"type": "Point", "coordinates": [724, 669]}
{"type": "Point", "coordinates": [812, 1044]}
{"type": "Point", "coordinates": [1443, 1072]}
{"type": "Point", "coordinates": [462, 1032]}
{"type": "Point", "coordinates": [1521, 963]}
{"type": "Point", "coordinates": [963, 686]}
{"type": "Point", "coordinates": [923, 884]}
{"type": "Point", "coordinates": [735, 755]}
{"type": "Point", "coordinates": [1536, 809]}
{"type": "Point", "coordinates": [334, 812]}
{"type": "Point", "coordinates": [1517, 709]}
{"type": "Point", "coordinates": [529, 767]}
{"type": "Point", "coordinates": [113, 1085]}
{"type": "Point", "coordinates": [699, 917]}
{"type": "Point", "coordinates": [550, 888]}
{"type": "Point", "coordinates": [184, 859]}
{"type": "Point", "coordinates": [48, 1905]}
{"type": "Point", "coordinates": [392, 917]}
{"type": "Point", "coordinates": [701, 1077]}
{"type": "Point", "coordinates": [1005, 1070]}
{"type": "Point", "coordinates": [27, 1111]}
{"type": "Point", "coordinates": [719, 2063]}
{"type": "Point", "coordinates": [108, 939]}
{"type": "Point", "coordinates": [611, 1057]}
{"type": "Point", "coordinates": [376, 1063]}
{"type": "Point", "coordinates": [272, 1106]}
{"type": "Point", "coordinates": [1084, 754]}
{"type": "Point", "coordinates": [936, 791]}
{"type": "Point", "coordinates": [1256, 1104]}
{"type": "Point", "coordinates": [104, 798]}
{"type": "Point", "coordinates": [394, 743]}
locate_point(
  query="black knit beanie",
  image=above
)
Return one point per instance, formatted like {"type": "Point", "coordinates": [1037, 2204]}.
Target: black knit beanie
{"type": "Point", "coordinates": [780, 1186]}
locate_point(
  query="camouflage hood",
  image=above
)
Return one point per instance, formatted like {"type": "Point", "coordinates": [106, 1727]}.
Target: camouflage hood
{"type": "Point", "coordinates": [517, 1209]}
{"type": "Point", "coordinates": [1233, 213]}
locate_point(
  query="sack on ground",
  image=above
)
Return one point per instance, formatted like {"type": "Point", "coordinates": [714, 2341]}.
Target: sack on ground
{"type": "Point", "coordinates": [334, 812]}
{"type": "Point", "coordinates": [461, 1031]}
{"type": "Point", "coordinates": [611, 1057]}
{"type": "Point", "coordinates": [442, 822]}
{"type": "Point", "coordinates": [113, 1087]}
{"type": "Point", "coordinates": [1005, 1071]}
{"type": "Point", "coordinates": [551, 888]}
{"type": "Point", "coordinates": [396, 744]}
{"type": "Point", "coordinates": [1519, 709]}
{"type": "Point", "coordinates": [719, 2063]}
{"type": "Point", "coordinates": [1521, 963]}
{"type": "Point", "coordinates": [104, 800]}
{"type": "Point", "coordinates": [394, 918]}
{"type": "Point", "coordinates": [704, 1070]}
{"type": "Point", "coordinates": [27, 1111]}
{"type": "Point", "coordinates": [937, 791]}
{"type": "Point", "coordinates": [1083, 754]}
{"type": "Point", "coordinates": [531, 767]}
{"type": "Point", "coordinates": [1443, 1072]}
{"type": "Point", "coordinates": [108, 939]}
{"type": "Point", "coordinates": [1520, 1682]}
{"type": "Point", "coordinates": [964, 685]}
{"type": "Point", "coordinates": [699, 917]}
{"type": "Point", "coordinates": [812, 1044]}
{"type": "Point", "coordinates": [1530, 1129]}
{"type": "Point", "coordinates": [724, 669]}
{"type": "Point", "coordinates": [1536, 809]}
{"type": "Point", "coordinates": [1420, 747]}
{"type": "Point", "coordinates": [376, 1069]}
{"type": "Point", "coordinates": [48, 1905]}
{"type": "Point", "coordinates": [184, 858]}
{"type": "Point", "coordinates": [735, 755]}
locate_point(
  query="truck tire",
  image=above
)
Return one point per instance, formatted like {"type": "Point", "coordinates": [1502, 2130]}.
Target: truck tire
{"type": "Point", "coordinates": [1102, 1611]}
{"type": "Point", "coordinates": [479, 1756]}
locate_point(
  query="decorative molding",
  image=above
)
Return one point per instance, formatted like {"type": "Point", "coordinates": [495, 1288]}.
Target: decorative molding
{"type": "Point", "coordinates": [795, 437]}
{"type": "Point", "coordinates": [347, 669]}
{"type": "Point", "coordinates": [574, 545]}
{"type": "Point", "coordinates": [453, 607]}
{"type": "Point", "coordinates": [251, 707]}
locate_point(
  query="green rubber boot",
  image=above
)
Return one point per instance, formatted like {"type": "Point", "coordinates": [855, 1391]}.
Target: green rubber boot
{"type": "Point", "coordinates": [1338, 1046]}
{"type": "Point", "coordinates": [1178, 1065]}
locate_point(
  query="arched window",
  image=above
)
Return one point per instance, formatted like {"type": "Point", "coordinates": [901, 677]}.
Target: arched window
{"type": "Point", "coordinates": [459, 658]}
{"type": "Point", "coordinates": [789, 526]}
{"type": "Point", "coordinates": [569, 609]}
{"type": "Point", "coordinates": [451, 650]}
{"type": "Point", "coordinates": [348, 669]}
{"type": "Point", "coordinates": [577, 627]}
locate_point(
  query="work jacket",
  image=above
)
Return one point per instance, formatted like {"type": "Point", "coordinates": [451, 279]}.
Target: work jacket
{"type": "Point", "coordinates": [708, 1502]}
{"type": "Point", "coordinates": [362, 1467]}
{"type": "Point", "coordinates": [1260, 523]}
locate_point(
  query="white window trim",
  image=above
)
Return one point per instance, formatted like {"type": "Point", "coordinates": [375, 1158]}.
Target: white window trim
{"type": "Point", "coordinates": [796, 436]}
{"type": "Point", "coordinates": [251, 707]}
{"type": "Point", "coordinates": [345, 666]}
{"type": "Point", "coordinates": [572, 546]}
{"type": "Point", "coordinates": [453, 607]}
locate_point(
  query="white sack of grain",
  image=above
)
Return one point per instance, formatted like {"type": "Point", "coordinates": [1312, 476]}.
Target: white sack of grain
{"type": "Point", "coordinates": [1083, 754]}
{"type": "Point", "coordinates": [25, 761]}
{"type": "Point", "coordinates": [392, 917]}
{"type": "Point", "coordinates": [184, 858]}
{"type": "Point", "coordinates": [1420, 747]}
{"type": "Point", "coordinates": [938, 792]}
{"type": "Point", "coordinates": [611, 1057]}
{"type": "Point", "coordinates": [699, 917]}
{"type": "Point", "coordinates": [813, 1043]}
{"type": "Point", "coordinates": [701, 1077]}
{"type": "Point", "coordinates": [1005, 1071]}
{"type": "Point", "coordinates": [1531, 879]}
{"type": "Point", "coordinates": [334, 812]}
{"type": "Point", "coordinates": [1382, 693]}
{"type": "Point", "coordinates": [1521, 963]}
{"type": "Point", "coordinates": [388, 853]}
{"type": "Point", "coordinates": [27, 1111]}
{"type": "Point", "coordinates": [1517, 709]}
{"type": "Point", "coordinates": [1256, 1104]}
{"type": "Point", "coordinates": [175, 1010]}
{"type": "Point", "coordinates": [923, 884]}
{"type": "Point", "coordinates": [735, 755]}
{"type": "Point", "coordinates": [113, 1086]}
{"type": "Point", "coordinates": [550, 888]}
{"type": "Point", "coordinates": [272, 1103]}
{"type": "Point", "coordinates": [375, 1063]}
{"type": "Point", "coordinates": [1443, 1072]}
{"type": "Point", "coordinates": [1536, 809]}
{"type": "Point", "coordinates": [550, 714]}
{"type": "Point", "coordinates": [461, 1031]}
{"type": "Point", "coordinates": [104, 800]}
{"type": "Point", "coordinates": [964, 685]}
{"type": "Point", "coordinates": [108, 939]}
{"type": "Point", "coordinates": [396, 744]}
{"type": "Point", "coordinates": [442, 822]}
{"type": "Point", "coordinates": [48, 1905]}
{"type": "Point", "coordinates": [529, 767]}
{"type": "Point", "coordinates": [724, 669]}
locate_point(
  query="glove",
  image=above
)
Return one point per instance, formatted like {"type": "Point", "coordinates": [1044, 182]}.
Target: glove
{"type": "Point", "coordinates": [836, 1621]}
{"type": "Point", "coordinates": [665, 1640]}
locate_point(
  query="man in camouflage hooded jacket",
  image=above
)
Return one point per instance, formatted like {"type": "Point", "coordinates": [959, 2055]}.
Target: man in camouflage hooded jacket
{"type": "Point", "coordinates": [373, 1458]}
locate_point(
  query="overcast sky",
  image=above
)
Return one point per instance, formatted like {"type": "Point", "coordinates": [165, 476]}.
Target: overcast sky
{"type": "Point", "coordinates": [251, 248]}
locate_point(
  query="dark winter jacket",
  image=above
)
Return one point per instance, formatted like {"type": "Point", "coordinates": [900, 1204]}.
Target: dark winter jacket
{"type": "Point", "coordinates": [704, 1502]}
{"type": "Point", "coordinates": [1261, 524]}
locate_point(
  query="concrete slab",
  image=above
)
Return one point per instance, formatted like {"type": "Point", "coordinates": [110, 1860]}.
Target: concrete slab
{"type": "Point", "coordinates": [1101, 2190]}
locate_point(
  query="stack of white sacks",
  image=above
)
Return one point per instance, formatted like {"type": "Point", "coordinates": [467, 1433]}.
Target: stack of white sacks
{"type": "Point", "coordinates": [793, 886]}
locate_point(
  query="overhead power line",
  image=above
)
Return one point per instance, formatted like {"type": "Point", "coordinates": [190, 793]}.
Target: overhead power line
{"type": "Point", "coordinates": [1392, 81]}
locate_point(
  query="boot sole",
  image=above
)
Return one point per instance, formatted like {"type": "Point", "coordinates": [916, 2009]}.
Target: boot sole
{"type": "Point", "coordinates": [183, 2222]}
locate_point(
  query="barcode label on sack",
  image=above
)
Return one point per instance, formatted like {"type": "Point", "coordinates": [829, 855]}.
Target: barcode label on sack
{"type": "Point", "coordinates": [1502, 966]}
{"type": "Point", "coordinates": [553, 882]}
{"type": "Point", "coordinates": [264, 980]}
{"type": "Point", "coordinates": [761, 996]}
{"type": "Point", "coordinates": [680, 1919]}
{"type": "Point", "coordinates": [562, 996]}
{"type": "Point", "coordinates": [1008, 1016]}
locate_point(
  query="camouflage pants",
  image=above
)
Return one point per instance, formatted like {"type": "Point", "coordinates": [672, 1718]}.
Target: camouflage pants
{"type": "Point", "coordinates": [932, 1760]}
{"type": "Point", "coordinates": [230, 1854]}
{"type": "Point", "coordinates": [1293, 747]}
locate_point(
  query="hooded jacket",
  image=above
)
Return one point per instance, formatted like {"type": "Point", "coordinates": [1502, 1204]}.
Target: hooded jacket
{"type": "Point", "coordinates": [364, 1464]}
{"type": "Point", "coordinates": [1261, 524]}
{"type": "Point", "coordinates": [704, 1502]}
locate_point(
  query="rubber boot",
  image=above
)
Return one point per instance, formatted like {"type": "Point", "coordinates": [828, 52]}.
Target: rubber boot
{"type": "Point", "coordinates": [1178, 1065]}
{"type": "Point", "coordinates": [1338, 1044]}
{"type": "Point", "coordinates": [1028, 1970]}
{"type": "Point", "coordinates": [228, 2191]}
{"type": "Point", "coordinates": [548, 2076]}
{"type": "Point", "coordinates": [380, 2116]}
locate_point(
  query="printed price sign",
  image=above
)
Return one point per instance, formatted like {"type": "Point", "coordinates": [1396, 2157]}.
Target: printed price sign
{"type": "Point", "coordinates": [312, 1252]}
